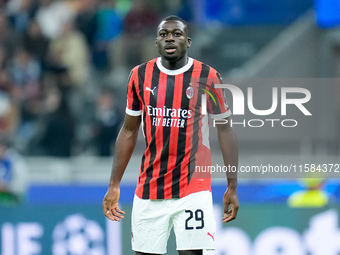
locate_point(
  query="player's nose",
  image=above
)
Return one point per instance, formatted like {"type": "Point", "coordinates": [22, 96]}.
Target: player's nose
{"type": "Point", "coordinates": [169, 37]}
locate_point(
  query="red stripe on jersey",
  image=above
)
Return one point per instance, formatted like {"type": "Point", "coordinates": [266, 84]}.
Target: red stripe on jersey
{"type": "Point", "coordinates": [161, 95]}
{"type": "Point", "coordinates": [147, 126]}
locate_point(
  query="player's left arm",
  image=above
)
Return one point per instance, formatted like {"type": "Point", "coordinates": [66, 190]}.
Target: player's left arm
{"type": "Point", "coordinates": [229, 147]}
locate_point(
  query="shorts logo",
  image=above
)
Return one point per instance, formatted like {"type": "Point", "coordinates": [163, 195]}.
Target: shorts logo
{"type": "Point", "coordinates": [212, 236]}
{"type": "Point", "coordinates": [190, 92]}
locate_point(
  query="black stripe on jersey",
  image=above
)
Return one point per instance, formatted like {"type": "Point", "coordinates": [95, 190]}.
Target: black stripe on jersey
{"type": "Point", "coordinates": [219, 77]}
{"type": "Point", "coordinates": [170, 87]}
{"type": "Point", "coordinates": [152, 145]}
{"type": "Point", "coordinates": [181, 136]}
{"type": "Point", "coordinates": [141, 75]}
{"type": "Point", "coordinates": [135, 102]}
{"type": "Point", "coordinates": [195, 138]}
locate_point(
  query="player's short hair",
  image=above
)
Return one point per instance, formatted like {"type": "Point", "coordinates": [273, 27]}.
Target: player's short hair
{"type": "Point", "coordinates": [174, 17]}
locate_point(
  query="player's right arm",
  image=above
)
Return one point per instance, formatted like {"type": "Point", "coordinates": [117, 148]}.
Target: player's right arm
{"type": "Point", "coordinates": [124, 147]}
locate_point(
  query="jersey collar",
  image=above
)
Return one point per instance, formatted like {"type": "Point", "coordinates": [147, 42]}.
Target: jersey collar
{"type": "Point", "coordinates": [176, 71]}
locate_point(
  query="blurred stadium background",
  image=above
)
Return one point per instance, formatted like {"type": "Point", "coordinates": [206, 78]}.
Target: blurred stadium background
{"type": "Point", "coordinates": [63, 71]}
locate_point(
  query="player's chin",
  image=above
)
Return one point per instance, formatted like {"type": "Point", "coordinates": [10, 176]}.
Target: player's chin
{"type": "Point", "coordinates": [171, 57]}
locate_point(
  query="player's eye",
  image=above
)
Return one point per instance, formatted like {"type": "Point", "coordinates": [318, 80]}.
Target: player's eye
{"type": "Point", "coordinates": [163, 34]}
{"type": "Point", "coordinates": [178, 34]}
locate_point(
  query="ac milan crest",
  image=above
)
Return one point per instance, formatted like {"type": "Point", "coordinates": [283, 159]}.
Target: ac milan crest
{"type": "Point", "coordinates": [190, 92]}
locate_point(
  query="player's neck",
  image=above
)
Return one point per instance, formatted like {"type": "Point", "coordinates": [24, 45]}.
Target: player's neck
{"type": "Point", "coordinates": [173, 65]}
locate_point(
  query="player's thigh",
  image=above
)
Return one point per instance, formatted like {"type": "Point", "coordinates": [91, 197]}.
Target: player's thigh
{"type": "Point", "coordinates": [194, 224]}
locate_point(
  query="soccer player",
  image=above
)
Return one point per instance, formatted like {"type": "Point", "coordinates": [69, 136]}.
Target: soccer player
{"type": "Point", "coordinates": [167, 94]}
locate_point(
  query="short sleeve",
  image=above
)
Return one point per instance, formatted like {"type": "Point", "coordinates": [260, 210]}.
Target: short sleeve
{"type": "Point", "coordinates": [134, 105]}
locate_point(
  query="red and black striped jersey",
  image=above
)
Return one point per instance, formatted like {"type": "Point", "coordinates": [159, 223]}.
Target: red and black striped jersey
{"type": "Point", "coordinates": [175, 125]}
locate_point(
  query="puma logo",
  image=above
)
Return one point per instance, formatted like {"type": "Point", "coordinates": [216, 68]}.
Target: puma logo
{"type": "Point", "coordinates": [212, 236]}
{"type": "Point", "coordinates": [152, 90]}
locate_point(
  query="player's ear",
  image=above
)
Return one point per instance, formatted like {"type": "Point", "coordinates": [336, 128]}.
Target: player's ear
{"type": "Point", "coordinates": [188, 42]}
{"type": "Point", "coordinates": [156, 43]}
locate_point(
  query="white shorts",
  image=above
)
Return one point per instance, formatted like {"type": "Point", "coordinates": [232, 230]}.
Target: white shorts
{"type": "Point", "coordinates": [191, 216]}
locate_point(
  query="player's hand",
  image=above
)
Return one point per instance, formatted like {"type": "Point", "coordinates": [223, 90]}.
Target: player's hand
{"type": "Point", "coordinates": [230, 199]}
{"type": "Point", "coordinates": [110, 204]}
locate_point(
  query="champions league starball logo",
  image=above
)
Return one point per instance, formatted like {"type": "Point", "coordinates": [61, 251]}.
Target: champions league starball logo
{"type": "Point", "coordinates": [77, 235]}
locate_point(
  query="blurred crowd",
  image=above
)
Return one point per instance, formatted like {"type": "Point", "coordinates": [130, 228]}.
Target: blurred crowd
{"type": "Point", "coordinates": [64, 65]}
